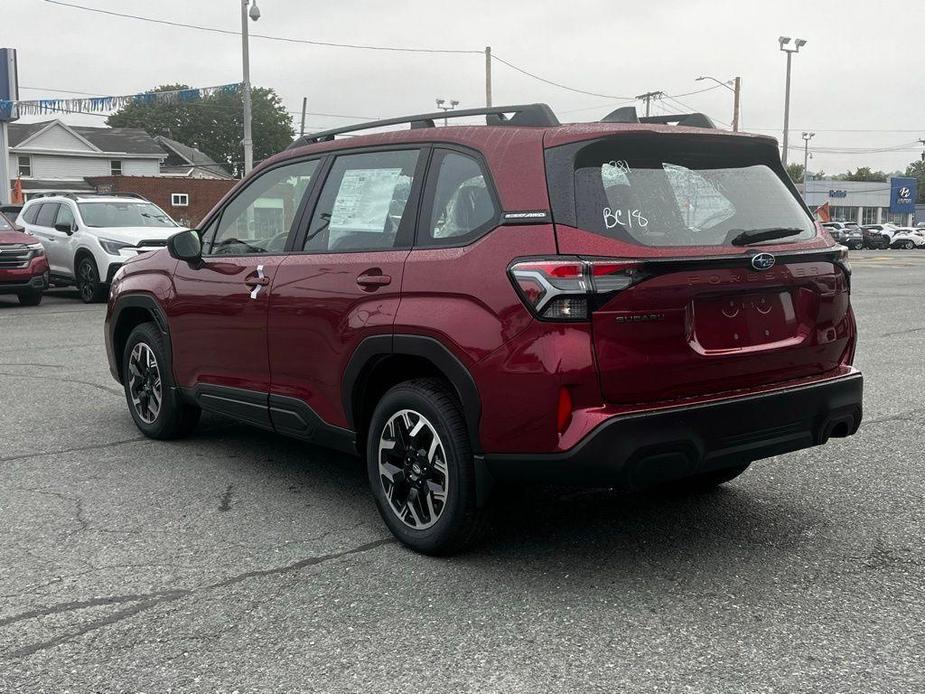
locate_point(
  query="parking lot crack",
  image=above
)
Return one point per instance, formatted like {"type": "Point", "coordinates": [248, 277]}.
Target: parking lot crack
{"type": "Point", "coordinates": [225, 503]}
{"type": "Point", "coordinates": [59, 379]}
{"type": "Point", "coordinates": [75, 449]}
{"type": "Point", "coordinates": [145, 601]}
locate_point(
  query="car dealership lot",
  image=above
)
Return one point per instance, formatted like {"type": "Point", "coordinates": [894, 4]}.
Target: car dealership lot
{"type": "Point", "coordinates": [242, 560]}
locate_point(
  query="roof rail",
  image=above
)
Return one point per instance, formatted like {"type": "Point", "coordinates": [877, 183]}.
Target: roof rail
{"type": "Point", "coordinates": [627, 114]}
{"type": "Point", "coordinates": [525, 115]}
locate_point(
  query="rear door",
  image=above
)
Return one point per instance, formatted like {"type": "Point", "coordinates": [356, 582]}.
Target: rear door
{"type": "Point", "coordinates": [698, 309]}
{"type": "Point", "coordinates": [342, 281]}
{"type": "Point", "coordinates": [54, 241]}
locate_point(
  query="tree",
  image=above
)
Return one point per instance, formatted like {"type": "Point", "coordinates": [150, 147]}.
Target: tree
{"type": "Point", "coordinates": [917, 170]}
{"type": "Point", "coordinates": [795, 171]}
{"type": "Point", "coordinates": [214, 124]}
{"type": "Point", "coordinates": [863, 173]}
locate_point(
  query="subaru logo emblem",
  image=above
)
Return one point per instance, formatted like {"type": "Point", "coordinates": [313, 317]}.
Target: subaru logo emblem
{"type": "Point", "coordinates": [763, 261]}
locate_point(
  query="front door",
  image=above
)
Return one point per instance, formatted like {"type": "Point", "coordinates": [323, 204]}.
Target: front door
{"type": "Point", "coordinates": [218, 315]}
{"type": "Point", "coordinates": [341, 284]}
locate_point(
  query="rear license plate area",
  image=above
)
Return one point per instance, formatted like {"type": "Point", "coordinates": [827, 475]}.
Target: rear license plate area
{"type": "Point", "coordinates": [738, 321]}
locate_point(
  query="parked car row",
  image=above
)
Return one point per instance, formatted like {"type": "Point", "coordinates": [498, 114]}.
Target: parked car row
{"type": "Point", "coordinates": [79, 240]}
{"type": "Point", "coordinates": [876, 236]}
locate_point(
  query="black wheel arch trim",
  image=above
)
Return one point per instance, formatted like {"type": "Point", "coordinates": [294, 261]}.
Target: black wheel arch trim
{"type": "Point", "coordinates": [376, 347]}
{"type": "Point", "coordinates": [148, 303]}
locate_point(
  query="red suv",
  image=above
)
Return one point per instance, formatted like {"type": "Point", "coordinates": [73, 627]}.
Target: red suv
{"type": "Point", "coordinates": [23, 266]}
{"type": "Point", "coordinates": [622, 303]}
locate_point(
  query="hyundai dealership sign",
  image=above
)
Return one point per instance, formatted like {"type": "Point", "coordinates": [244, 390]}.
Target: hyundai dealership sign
{"type": "Point", "coordinates": [902, 195]}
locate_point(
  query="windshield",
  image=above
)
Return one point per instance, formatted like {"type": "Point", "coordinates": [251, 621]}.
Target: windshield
{"type": "Point", "coordinates": [124, 214]}
{"type": "Point", "coordinates": [660, 194]}
{"type": "Point", "coordinates": [4, 226]}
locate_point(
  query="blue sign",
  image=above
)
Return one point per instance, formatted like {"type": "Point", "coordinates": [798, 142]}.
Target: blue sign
{"type": "Point", "coordinates": [902, 195]}
{"type": "Point", "coordinates": [838, 193]}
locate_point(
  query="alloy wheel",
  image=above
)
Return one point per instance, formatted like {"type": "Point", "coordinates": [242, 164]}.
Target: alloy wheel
{"type": "Point", "coordinates": [413, 469]}
{"type": "Point", "coordinates": [86, 280]}
{"type": "Point", "coordinates": [145, 383]}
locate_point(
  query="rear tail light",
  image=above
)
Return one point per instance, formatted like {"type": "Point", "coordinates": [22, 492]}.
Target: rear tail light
{"type": "Point", "coordinates": [570, 289]}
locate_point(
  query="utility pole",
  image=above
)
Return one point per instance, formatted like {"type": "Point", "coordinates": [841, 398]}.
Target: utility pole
{"type": "Point", "coordinates": [649, 96]}
{"type": "Point", "coordinates": [248, 141]}
{"type": "Point", "coordinates": [304, 107]}
{"type": "Point", "coordinates": [488, 76]}
{"type": "Point", "coordinates": [736, 91]}
{"type": "Point", "coordinates": [923, 145]}
{"type": "Point", "coordinates": [806, 138]}
{"type": "Point", "coordinates": [798, 43]}
{"type": "Point", "coordinates": [735, 104]}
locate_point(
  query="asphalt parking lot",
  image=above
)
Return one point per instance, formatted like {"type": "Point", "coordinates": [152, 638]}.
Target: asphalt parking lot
{"type": "Point", "coordinates": [238, 560]}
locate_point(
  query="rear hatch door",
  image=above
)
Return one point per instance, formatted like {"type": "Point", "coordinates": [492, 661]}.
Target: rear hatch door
{"type": "Point", "coordinates": [725, 281]}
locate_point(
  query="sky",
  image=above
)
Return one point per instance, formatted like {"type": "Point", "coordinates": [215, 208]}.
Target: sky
{"type": "Point", "coordinates": [855, 82]}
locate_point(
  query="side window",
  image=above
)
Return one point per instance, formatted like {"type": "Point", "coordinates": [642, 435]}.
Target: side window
{"type": "Point", "coordinates": [258, 220]}
{"type": "Point", "coordinates": [47, 215]}
{"type": "Point", "coordinates": [364, 203]}
{"type": "Point", "coordinates": [65, 215]}
{"type": "Point", "coordinates": [463, 207]}
{"type": "Point", "coordinates": [30, 214]}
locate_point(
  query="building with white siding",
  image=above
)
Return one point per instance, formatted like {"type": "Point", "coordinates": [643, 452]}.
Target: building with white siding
{"type": "Point", "coordinates": [52, 157]}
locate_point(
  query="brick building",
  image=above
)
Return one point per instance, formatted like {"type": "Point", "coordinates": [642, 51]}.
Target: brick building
{"type": "Point", "coordinates": [187, 200]}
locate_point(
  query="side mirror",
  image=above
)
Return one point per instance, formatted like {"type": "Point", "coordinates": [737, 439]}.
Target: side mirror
{"type": "Point", "coordinates": [186, 246]}
{"type": "Point", "coordinates": [64, 228]}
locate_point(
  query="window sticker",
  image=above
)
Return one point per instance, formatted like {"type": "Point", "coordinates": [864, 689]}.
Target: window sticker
{"type": "Point", "coordinates": [364, 199]}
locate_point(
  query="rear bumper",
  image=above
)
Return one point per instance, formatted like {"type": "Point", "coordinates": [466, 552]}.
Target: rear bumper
{"type": "Point", "coordinates": [638, 450]}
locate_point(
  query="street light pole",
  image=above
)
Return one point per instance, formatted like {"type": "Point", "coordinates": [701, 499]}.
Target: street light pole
{"type": "Point", "coordinates": [736, 91]}
{"type": "Point", "coordinates": [806, 138]}
{"type": "Point", "coordinates": [797, 43]}
{"type": "Point", "coordinates": [440, 104]}
{"type": "Point", "coordinates": [248, 142]}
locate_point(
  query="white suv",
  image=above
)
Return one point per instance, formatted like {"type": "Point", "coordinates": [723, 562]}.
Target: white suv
{"type": "Point", "coordinates": [87, 238]}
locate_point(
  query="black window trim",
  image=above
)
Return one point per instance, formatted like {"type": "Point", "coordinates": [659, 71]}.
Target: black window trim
{"type": "Point", "coordinates": [414, 199]}
{"type": "Point", "coordinates": [216, 216]}
{"type": "Point", "coordinates": [422, 239]}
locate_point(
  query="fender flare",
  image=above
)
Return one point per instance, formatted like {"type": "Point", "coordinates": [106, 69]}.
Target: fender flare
{"type": "Point", "coordinates": [148, 303]}
{"type": "Point", "coordinates": [375, 347]}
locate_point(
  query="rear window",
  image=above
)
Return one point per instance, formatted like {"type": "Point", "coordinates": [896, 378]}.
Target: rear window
{"type": "Point", "coordinates": [662, 194]}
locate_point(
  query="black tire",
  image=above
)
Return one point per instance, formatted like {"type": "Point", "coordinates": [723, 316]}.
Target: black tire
{"type": "Point", "coordinates": [30, 298]}
{"type": "Point", "coordinates": [175, 417]}
{"type": "Point", "coordinates": [459, 522]}
{"type": "Point", "coordinates": [88, 281]}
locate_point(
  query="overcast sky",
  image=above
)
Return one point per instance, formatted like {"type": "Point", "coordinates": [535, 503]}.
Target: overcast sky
{"type": "Point", "coordinates": [858, 72]}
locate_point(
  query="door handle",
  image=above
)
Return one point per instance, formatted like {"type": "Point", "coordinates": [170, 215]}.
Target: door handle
{"type": "Point", "coordinates": [255, 282]}
{"type": "Point", "coordinates": [373, 278]}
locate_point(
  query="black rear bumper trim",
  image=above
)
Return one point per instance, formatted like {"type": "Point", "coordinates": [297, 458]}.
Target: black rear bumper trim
{"type": "Point", "coordinates": [638, 450]}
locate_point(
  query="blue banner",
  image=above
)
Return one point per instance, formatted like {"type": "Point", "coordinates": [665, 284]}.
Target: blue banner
{"type": "Point", "coordinates": [902, 195]}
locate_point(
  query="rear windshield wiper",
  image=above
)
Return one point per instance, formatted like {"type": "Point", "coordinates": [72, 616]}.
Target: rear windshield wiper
{"type": "Point", "coordinates": [743, 237]}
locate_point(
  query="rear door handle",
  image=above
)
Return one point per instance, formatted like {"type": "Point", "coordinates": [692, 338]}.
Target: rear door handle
{"type": "Point", "coordinates": [373, 278]}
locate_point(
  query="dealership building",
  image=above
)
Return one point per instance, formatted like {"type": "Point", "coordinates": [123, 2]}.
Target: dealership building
{"type": "Point", "coordinates": [865, 202]}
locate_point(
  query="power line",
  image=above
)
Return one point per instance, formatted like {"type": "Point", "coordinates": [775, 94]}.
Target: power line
{"type": "Point", "coordinates": [286, 39]}
{"type": "Point", "coordinates": [557, 84]}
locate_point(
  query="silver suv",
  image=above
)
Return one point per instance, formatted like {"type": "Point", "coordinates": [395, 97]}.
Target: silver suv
{"type": "Point", "coordinates": [87, 238]}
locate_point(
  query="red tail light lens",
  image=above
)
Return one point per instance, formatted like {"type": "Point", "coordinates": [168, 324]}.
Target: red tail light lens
{"type": "Point", "coordinates": [570, 289]}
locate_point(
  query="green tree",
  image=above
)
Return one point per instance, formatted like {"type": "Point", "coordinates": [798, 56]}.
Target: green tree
{"type": "Point", "coordinates": [795, 171]}
{"type": "Point", "coordinates": [917, 170]}
{"type": "Point", "coordinates": [214, 124]}
{"type": "Point", "coordinates": [863, 173]}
